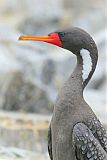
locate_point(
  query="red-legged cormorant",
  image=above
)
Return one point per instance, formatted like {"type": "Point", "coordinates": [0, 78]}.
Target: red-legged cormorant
{"type": "Point", "coordinates": [75, 133]}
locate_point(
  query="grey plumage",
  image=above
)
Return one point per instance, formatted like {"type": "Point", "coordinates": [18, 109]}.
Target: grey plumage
{"type": "Point", "coordinates": [87, 145]}
{"type": "Point", "coordinates": [75, 133]}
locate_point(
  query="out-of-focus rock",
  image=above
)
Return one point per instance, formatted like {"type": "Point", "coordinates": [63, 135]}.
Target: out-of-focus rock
{"type": "Point", "coordinates": [48, 71]}
{"type": "Point", "coordinates": [34, 26]}
{"type": "Point", "coordinates": [37, 8]}
{"type": "Point", "coordinates": [11, 153]}
{"type": "Point", "coordinates": [17, 89]}
{"type": "Point", "coordinates": [18, 94]}
{"type": "Point", "coordinates": [86, 14]}
{"type": "Point", "coordinates": [25, 131]}
{"type": "Point", "coordinates": [31, 17]}
{"type": "Point", "coordinates": [83, 4]}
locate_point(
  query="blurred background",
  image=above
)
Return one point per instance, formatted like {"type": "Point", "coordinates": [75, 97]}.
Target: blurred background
{"type": "Point", "coordinates": [32, 73]}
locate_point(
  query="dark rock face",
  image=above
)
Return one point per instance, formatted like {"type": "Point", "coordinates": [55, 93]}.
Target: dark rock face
{"type": "Point", "coordinates": [22, 95]}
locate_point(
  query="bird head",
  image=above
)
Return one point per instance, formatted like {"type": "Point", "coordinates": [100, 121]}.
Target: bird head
{"type": "Point", "coordinates": [73, 39]}
{"type": "Point", "coordinates": [78, 42]}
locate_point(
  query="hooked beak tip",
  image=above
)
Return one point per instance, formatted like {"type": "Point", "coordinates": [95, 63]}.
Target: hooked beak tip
{"type": "Point", "coordinates": [20, 38]}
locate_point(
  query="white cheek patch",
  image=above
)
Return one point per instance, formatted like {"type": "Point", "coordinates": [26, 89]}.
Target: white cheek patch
{"type": "Point", "coordinates": [87, 63]}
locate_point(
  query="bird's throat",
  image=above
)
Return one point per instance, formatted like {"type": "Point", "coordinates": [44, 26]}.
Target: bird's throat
{"type": "Point", "coordinates": [81, 74]}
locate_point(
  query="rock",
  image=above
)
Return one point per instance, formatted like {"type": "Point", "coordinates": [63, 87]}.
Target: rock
{"type": "Point", "coordinates": [84, 15]}
{"type": "Point", "coordinates": [32, 8]}
{"type": "Point", "coordinates": [19, 91]}
{"type": "Point", "coordinates": [83, 4]}
{"type": "Point", "coordinates": [17, 94]}
{"type": "Point", "coordinates": [46, 21]}
{"type": "Point", "coordinates": [20, 154]}
{"type": "Point", "coordinates": [48, 71]}
{"type": "Point", "coordinates": [32, 26]}
{"type": "Point", "coordinates": [98, 103]}
{"type": "Point", "coordinates": [24, 131]}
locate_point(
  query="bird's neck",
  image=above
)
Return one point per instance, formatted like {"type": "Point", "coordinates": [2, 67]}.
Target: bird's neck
{"type": "Point", "coordinates": [75, 82]}
{"type": "Point", "coordinates": [86, 64]}
{"type": "Point", "coordinates": [72, 91]}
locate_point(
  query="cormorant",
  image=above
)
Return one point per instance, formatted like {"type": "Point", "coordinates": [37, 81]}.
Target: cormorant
{"type": "Point", "coordinates": [75, 133]}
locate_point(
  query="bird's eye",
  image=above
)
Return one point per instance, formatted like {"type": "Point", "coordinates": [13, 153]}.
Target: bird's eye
{"type": "Point", "coordinates": [62, 34]}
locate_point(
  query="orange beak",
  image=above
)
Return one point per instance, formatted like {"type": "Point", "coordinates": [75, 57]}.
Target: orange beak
{"type": "Point", "coordinates": [52, 38]}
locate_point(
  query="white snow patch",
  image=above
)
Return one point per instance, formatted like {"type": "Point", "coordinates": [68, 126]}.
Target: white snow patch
{"type": "Point", "coordinates": [87, 63]}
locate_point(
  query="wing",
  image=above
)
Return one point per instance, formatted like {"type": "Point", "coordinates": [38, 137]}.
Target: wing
{"type": "Point", "coordinates": [87, 147]}
{"type": "Point", "coordinates": [98, 131]}
{"type": "Point", "coordinates": [50, 143]}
